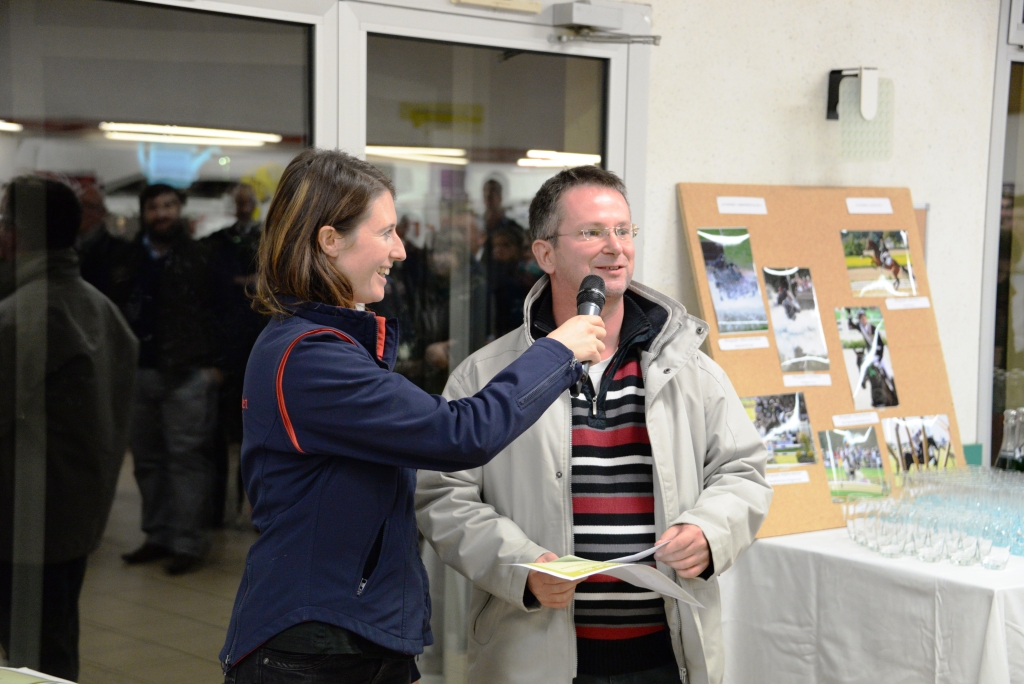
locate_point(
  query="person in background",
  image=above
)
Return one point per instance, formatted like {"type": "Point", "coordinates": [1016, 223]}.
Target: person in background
{"type": "Point", "coordinates": [165, 288]}
{"type": "Point", "coordinates": [233, 262]}
{"type": "Point", "coordinates": [334, 589]}
{"type": "Point", "coordinates": [86, 390]}
{"type": "Point", "coordinates": [656, 448]}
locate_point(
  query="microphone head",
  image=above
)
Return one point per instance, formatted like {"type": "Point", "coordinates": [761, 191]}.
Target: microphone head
{"type": "Point", "coordinates": [591, 291]}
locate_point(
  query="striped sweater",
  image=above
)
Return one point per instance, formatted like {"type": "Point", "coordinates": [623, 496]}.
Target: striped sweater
{"type": "Point", "coordinates": [620, 628]}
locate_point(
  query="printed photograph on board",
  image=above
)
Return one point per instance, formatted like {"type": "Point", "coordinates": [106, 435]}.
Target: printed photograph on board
{"type": "Point", "coordinates": [732, 278]}
{"type": "Point", "coordinates": [853, 463]}
{"type": "Point", "coordinates": [878, 263]}
{"type": "Point", "coordinates": [795, 320]}
{"type": "Point", "coordinates": [918, 443]}
{"type": "Point", "coordinates": [866, 354]}
{"type": "Point", "coordinates": [782, 422]}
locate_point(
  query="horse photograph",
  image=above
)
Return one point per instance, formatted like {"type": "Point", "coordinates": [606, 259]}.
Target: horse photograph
{"type": "Point", "coordinates": [878, 263]}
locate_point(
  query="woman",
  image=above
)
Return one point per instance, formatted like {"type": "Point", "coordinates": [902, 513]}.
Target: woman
{"type": "Point", "coordinates": [334, 589]}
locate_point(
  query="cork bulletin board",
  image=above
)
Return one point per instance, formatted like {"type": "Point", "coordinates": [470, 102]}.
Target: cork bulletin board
{"type": "Point", "coordinates": [819, 310]}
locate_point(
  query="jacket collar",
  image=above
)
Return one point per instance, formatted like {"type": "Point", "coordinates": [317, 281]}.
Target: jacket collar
{"type": "Point", "coordinates": [378, 335]}
{"type": "Point", "coordinates": [668, 319]}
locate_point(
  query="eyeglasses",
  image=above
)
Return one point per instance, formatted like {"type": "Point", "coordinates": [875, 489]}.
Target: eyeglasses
{"type": "Point", "coordinates": [624, 233]}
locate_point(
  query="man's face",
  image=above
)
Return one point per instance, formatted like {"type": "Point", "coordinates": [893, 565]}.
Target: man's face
{"type": "Point", "coordinates": [160, 213]}
{"type": "Point", "coordinates": [492, 195]}
{"type": "Point", "coordinates": [245, 203]}
{"type": "Point", "coordinates": [572, 259]}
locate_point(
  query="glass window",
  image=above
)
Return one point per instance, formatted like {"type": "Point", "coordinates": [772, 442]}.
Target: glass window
{"type": "Point", "coordinates": [469, 134]}
{"type": "Point", "coordinates": [172, 128]}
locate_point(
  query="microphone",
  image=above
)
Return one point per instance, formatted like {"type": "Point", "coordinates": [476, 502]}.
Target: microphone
{"type": "Point", "coordinates": [589, 302]}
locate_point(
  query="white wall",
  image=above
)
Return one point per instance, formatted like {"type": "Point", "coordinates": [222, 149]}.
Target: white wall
{"type": "Point", "coordinates": [738, 95]}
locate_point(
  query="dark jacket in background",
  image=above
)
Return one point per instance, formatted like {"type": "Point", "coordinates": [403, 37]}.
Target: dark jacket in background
{"type": "Point", "coordinates": [90, 373]}
{"type": "Point", "coordinates": [185, 334]}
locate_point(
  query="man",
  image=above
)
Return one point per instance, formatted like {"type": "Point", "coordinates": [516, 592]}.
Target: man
{"type": "Point", "coordinates": [233, 262]}
{"type": "Point", "coordinates": [164, 288]}
{"type": "Point", "coordinates": [659, 447]}
{"type": "Point", "coordinates": [81, 392]}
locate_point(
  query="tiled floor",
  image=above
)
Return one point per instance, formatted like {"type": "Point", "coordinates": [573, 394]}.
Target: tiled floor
{"type": "Point", "coordinates": [141, 626]}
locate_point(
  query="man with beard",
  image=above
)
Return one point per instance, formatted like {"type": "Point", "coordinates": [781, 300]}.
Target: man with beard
{"type": "Point", "coordinates": [164, 287]}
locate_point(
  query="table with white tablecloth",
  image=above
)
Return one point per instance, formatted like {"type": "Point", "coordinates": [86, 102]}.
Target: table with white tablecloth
{"type": "Point", "coordinates": [816, 607]}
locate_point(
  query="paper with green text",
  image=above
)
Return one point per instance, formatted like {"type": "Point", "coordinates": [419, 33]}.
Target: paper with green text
{"type": "Point", "coordinates": [575, 568]}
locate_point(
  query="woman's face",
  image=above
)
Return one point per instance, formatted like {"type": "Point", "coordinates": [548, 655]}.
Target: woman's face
{"type": "Point", "coordinates": [368, 252]}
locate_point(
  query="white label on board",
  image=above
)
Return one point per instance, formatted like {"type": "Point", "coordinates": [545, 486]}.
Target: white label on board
{"type": "Point", "coordinates": [734, 343]}
{"type": "Point", "coordinates": [897, 303]}
{"type": "Point", "coordinates": [807, 380]}
{"type": "Point", "coordinates": [788, 477]}
{"type": "Point", "coordinates": [852, 419]}
{"type": "Point", "coordinates": [868, 205]}
{"type": "Point", "coordinates": [742, 205]}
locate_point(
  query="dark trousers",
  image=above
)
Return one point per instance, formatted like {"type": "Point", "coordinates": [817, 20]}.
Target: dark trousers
{"type": "Point", "coordinates": [267, 666]}
{"type": "Point", "coordinates": [661, 675]}
{"type": "Point", "coordinates": [58, 648]}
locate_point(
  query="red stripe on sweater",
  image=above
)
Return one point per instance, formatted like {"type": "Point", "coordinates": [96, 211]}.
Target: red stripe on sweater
{"type": "Point", "coordinates": [613, 504]}
{"type": "Point", "coordinates": [631, 434]}
{"type": "Point", "coordinates": [629, 369]}
{"type": "Point", "coordinates": [616, 633]}
{"type": "Point", "coordinates": [602, 578]}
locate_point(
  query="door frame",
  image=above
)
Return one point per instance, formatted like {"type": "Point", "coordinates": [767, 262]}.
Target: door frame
{"type": "Point", "coordinates": [1006, 55]}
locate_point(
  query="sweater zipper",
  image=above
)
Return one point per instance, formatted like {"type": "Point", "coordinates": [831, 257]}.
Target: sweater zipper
{"type": "Point", "coordinates": [572, 549]}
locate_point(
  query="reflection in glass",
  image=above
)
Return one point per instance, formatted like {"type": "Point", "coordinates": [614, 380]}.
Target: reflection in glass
{"type": "Point", "coordinates": [171, 128]}
{"type": "Point", "coordinates": [468, 134]}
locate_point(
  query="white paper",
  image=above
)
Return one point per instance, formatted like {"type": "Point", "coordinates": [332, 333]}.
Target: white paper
{"type": "Point", "coordinates": [638, 556]}
{"type": "Point", "coordinates": [854, 419]}
{"type": "Point", "coordinates": [735, 343]}
{"type": "Point", "coordinates": [868, 205]}
{"type": "Point", "coordinates": [638, 575]}
{"type": "Point", "coordinates": [897, 303]}
{"type": "Point", "coordinates": [787, 477]}
{"type": "Point", "coordinates": [807, 380]}
{"type": "Point", "coordinates": [742, 205]}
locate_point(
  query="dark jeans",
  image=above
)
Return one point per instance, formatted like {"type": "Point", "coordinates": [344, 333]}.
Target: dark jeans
{"type": "Point", "coordinates": [172, 427]}
{"type": "Point", "coordinates": [58, 648]}
{"type": "Point", "coordinates": [661, 675]}
{"type": "Point", "coordinates": [267, 666]}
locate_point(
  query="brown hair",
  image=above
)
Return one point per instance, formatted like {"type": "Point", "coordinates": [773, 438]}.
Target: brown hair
{"type": "Point", "coordinates": [545, 211]}
{"type": "Point", "coordinates": [319, 188]}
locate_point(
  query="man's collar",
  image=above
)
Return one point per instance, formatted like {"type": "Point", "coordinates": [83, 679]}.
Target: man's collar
{"type": "Point", "coordinates": [641, 319]}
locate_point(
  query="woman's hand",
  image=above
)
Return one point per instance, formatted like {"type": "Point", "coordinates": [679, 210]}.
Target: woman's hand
{"type": "Point", "coordinates": [582, 335]}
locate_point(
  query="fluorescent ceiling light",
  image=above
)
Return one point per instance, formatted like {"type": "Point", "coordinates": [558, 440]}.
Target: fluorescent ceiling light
{"type": "Point", "coordinates": [553, 159]}
{"type": "Point", "coordinates": [387, 151]}
{"type": "Point", "coordinates": [10, 126]}
{"type": "Point", "coordinates": [182, 139]}
{"type": "Point", "coordinates": [429, 155]}
{"type": "Point", "coordinates": [188, 131]}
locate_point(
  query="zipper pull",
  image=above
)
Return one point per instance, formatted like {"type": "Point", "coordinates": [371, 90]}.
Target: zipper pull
{"type": "Point", "coordinates": [362, 585]}
{"type": "Point", "coordinates": [593, 407]}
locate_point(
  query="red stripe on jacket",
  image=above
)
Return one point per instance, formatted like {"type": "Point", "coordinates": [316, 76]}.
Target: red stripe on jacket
{"type": "Point", "coordinates": [282, 409]}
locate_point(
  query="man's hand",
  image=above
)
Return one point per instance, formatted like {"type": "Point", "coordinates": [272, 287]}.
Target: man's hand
{"type": "Point", "coordinates": [687, 551]}
{"type": "Point", "coordinates": [550, 591]}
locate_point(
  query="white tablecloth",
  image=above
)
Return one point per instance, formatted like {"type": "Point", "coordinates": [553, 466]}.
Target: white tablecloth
{"type": "Point", "coordinates": [817, 607]}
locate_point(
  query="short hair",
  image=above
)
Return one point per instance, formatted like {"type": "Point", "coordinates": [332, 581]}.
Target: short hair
{"type": "Point", "coordinates": [545, 211]}
{"type": "Point", "coordinates": [155, 190]}
{"type": "Point", "coordinates": [42, 211]}
{"type": "Point", "coordinates": [318, 188]}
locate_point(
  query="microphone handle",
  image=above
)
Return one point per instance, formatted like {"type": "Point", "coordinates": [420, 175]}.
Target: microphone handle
{"type": "Point", "coordinates": [585, 309]}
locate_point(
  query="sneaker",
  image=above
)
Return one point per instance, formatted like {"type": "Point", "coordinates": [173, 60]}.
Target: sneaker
{"type": "Point", "coordinates": [146, 554]}
{"type": "Point", "coordinates": [182, 563]}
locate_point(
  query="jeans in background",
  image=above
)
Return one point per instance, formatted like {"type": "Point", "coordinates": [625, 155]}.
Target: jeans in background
{"type": "Point", "coordinates": [172, 425]}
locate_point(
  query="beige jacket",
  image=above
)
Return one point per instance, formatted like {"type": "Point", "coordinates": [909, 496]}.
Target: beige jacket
{"type": "Point", "coordinates": [709, 465]}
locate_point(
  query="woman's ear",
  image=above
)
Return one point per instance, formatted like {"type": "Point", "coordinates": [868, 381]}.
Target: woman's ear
{"type": "Point", "coordinates": [329, 240]}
